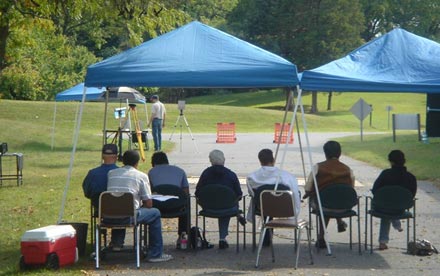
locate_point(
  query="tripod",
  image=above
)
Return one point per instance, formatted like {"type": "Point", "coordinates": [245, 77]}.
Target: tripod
{"type": "Point", "coordinates": [187, 126]}
{"type": "Point", "coordinates": [138, 133]}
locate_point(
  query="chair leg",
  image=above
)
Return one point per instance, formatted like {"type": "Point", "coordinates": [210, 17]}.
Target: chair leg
{"type": "Point", "coordinates": [371, 234]}
{"type": "Point", "coordinates": [310, 244]}
{"type": "Point", "coordinates": [407, 234]}
{"type": "Point", "coordinates": [197, 225]}
{"type": "Point", "coordinates": [254, 234]}
{"type": "Point", "coordinates": [137, 240]}
{"type": "Point", "coordinates": [244, 226]}
{"type": "Point", "coordinates": [238, 237]}
{"type": "Point", "coordinates": [351, 239]}
{"type": "Point", "coordinates": [97, 245]}
{"type": "Point", "coordinates": [297, 249]}
{"type": "Point", "coordinates": [271, 245]}
{"type": "Point", "coordinates": [260, 245]}
{"type": "Point", "coordinates": [359, 232]}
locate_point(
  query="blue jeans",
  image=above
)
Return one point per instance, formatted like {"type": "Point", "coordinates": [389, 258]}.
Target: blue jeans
{"type": "Point", "coordinates": [223, 225]}
{"type": "Point", "coordinates": [150, 217]}
{"type": "Point", "coordinates": [384, 232]}
{"type": "Point", "coordinates": [157, 133]}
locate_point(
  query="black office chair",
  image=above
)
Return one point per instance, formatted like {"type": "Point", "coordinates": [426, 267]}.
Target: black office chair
{"type": "Point", "coordinates": [340, 197]}
{"type": "Point", "coordinates": [216, 201]}
{"type": "Point", "coordinates": [390, 202]}
{"type": "Point", "coordinates": [173, 208]}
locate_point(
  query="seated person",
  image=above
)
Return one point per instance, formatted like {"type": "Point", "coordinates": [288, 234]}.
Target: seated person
{"type": "Point", "coordinates": [397, 175]}
{"type": "Point", "coordinates": [95, 181]}
{"type": "Point", "coordinates": [268, 174]}
{"type": "Point", "coordinates": [331, 171]}
{"type": "Point", "coordinates": [129, 179]}
{"type": "Point", "coordinates": [219, 174]}
{"type": "Point", "coordinates": [163, 173]}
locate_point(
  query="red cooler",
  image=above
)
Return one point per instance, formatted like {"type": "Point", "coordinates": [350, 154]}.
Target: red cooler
{"type": "Point", "coordinates": [53, 245]}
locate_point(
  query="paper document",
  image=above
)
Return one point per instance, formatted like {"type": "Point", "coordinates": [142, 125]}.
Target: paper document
{"type": "Point", "coordinates": [163, 197]}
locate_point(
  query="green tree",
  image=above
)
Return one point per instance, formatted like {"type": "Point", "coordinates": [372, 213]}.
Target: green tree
{"type": "Point", "coordinates": [210, 12]}
{"type": "Point", "coordinates": [307, 32]}
{"type": "Point", "coordinates": [44, 64]}
{"type": "Point", "coordinates": [419, 17]}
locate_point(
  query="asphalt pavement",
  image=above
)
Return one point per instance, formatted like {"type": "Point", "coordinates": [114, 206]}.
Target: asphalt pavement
{"type": "Point", "coordinates": [191, 154]}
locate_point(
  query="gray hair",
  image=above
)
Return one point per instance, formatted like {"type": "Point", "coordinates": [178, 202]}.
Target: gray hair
{"type": "Point", "coordinates": [216, 157]}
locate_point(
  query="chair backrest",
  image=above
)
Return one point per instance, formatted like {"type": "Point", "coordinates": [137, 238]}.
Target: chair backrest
{"type": "Point", "coordinates": [393, 198]}
{"type": "Point", "coordinates": [169, 189]}
{"type": "Point", "coordinates": [117, 205]}
{"type": "Point", "coordinates": [270, 187]}
{"type": "Point", "coordinates": [216, 197]}
{"type": "Point", "coordinates": [277, 204]}
{"type": "Point", "coordinates": [338, 196]}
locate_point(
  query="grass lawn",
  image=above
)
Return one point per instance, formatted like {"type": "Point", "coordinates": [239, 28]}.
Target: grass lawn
{"type": "Point", "coordinates": [27, 128]}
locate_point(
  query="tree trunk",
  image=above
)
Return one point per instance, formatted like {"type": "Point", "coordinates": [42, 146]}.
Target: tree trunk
{"type": "Point", "coordinates": [314, 108]}
{"type": "Point", "coordinates": [329, 101]}
{"type": "Point", "coordinates": [4, 33]}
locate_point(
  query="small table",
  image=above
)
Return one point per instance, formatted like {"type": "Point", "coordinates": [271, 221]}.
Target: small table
{"type": "Point", "coordinates": [7, 173]}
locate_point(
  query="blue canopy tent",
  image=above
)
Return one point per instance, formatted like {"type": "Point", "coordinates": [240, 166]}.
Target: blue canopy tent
{"type": "Point", "coordinates": [75, 93]}
{"type": "Point", "coordinates": [398, 61]}
{"type": "Point", "coordinates": [193, 56]}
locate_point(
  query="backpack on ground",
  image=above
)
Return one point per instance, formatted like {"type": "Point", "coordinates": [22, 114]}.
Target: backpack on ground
{"type": "Point", "coordinates": [198, 240]}
{"type": "Point", "coordinates": [421, 248]}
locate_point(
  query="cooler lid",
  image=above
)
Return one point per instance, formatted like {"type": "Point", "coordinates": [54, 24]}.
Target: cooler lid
{"type": "Point", "coordinates": [48, 233]}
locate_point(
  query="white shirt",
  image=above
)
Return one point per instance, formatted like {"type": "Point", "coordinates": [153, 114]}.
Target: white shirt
{"type": "Point", "coordinates": [158, 110]}
{"type": "Point", "coordinates": [270, 175]}
{"type": "Point", "coordinates": [129, 179]}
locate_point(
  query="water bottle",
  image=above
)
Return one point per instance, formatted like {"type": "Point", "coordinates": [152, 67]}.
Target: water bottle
{"type": "Point", "coordinates": [199, 243]}
{"type": "Point", "coordinates": [184, 241]}
{"type": "Point", "coordinates": [425, 138]}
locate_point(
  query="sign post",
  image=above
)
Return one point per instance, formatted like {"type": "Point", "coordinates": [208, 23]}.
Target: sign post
{"type": "Point", "coordinates": [388, 109]}
{"type": "Point", "coordinates": [361, 109]}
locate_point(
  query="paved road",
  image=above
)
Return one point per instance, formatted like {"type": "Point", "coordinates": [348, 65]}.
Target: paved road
{"type": "Point", "coordinates": [192, 155]}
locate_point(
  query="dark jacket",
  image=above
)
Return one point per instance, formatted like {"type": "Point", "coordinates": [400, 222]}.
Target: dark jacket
{"type": "Point", "coordinates": [218, 174]}
{"type": "Point", "coordinates": [396, 176]}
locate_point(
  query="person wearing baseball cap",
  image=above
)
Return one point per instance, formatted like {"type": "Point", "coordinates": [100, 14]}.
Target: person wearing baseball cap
{"type": "Point", "coordinates": [96, 179]}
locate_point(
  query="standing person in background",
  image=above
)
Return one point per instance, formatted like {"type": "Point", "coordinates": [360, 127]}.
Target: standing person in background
{"type": "Point", "coordinates": [157, 121]}
{"type": "Point", "coordinates": [163, 173]}
{"type": "Point", "coordinates": [397, 175]}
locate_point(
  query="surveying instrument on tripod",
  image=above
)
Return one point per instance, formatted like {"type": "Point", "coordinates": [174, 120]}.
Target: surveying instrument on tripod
{"type": "Point", "coordinates": [136, 136]}
{"type": "Point", "coordinates": [181, 106]}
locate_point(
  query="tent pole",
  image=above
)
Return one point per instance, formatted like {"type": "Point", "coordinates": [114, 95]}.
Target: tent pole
{"type": "Point", "coordinates": [104, 131]}
{"type": "Point", "coordinates": [72, 156]}
{"type": "Point", "coordinates": [286, 110]}
{"type": "Point", "coordinates": [318, 199]}
{"type": "Point", "coordinates": [53, 126]}
{"type": "Point", "coordinates": [298, 134]}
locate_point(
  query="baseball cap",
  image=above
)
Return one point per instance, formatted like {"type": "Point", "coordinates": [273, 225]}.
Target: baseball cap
{"type": "Point", "coordinates": [109, 149]}
{"type": "Point", "coordinates": [155, 97]}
